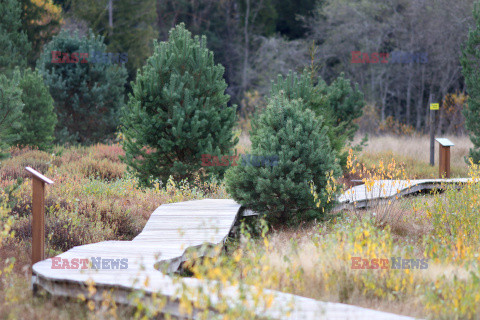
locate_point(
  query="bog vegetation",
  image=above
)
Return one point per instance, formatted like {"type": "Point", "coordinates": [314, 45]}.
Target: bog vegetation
{"type": "Point", "coordinates": [94, 199]}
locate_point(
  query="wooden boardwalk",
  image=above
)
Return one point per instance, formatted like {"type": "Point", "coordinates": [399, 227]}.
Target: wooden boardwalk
{"type": "Point", "coordinates": [172, 229]}
{"type": "Point", "coordinates": [361, 196]}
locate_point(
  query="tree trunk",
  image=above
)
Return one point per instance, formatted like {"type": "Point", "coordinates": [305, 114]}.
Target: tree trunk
{"type": "Point", "coordinates": [384, 101]}
{"type": "Point", "coordinates": [409, 98]}
{"type": "Point", "coordinates": [110, 15]}
{"type": "Point", "coordinates": [420, 101]}
{"type": "Point", "coordinates": [245, 49]}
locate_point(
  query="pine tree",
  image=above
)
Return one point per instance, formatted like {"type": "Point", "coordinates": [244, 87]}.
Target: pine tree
{"type": "Point", "coordinates": [38, 120]}
{"type": "Point", "coordinates": [10, 110]}
{"type": "Point", "coordinates": [470, 62]}
{"type": "Point", "coordinates": [339, 104]}
{"type": "Point", "coordinates": [289, 130]}
{"type": "Point", "coordinates": [13, 41]}
{"type": "Point", "coordinates": [87, 95]}
{"type": "Point", "coordinates": [178, 111]}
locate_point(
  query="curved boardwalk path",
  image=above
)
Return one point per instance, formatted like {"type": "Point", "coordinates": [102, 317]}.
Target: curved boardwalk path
{"type": "Point", "coordinates": [362, 197]}
{"type": "Point", "coordinates": [172, 229]}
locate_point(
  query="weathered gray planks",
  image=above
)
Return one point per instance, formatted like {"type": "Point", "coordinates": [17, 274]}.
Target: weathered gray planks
{"type": "Point", "coordinates": [362, 197]}
{"type": "Point", "coordinates": [172, 229]}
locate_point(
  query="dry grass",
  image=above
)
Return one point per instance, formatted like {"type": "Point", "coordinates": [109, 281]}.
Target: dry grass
{"type": "Point", "coordinates": [309, 258]}
{"type": "Point", "coordinates": [414, 152]}
{"type": "Point", "coordinates": [244, 144]}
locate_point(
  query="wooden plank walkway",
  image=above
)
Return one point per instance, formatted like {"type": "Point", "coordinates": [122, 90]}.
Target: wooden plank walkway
{"type": "Point", "coordinates": [172, 229]}
{"type": "Point", "coordinates": [362, 197]}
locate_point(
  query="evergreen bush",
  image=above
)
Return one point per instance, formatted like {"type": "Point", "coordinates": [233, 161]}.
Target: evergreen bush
{"type": "Point", "coordinates": [470, 61]}
{"type": "Point", "coordinates": [10, 111]}
{"type": "Point", "coordinates": [38, 120]}
{"type": "Point", "coordinates": [14, 45]}
{"type": "Point", "coordinates": [177, 112]}
{"type": "Point", "coordinates": [300, 140]}
{"type": "Point", "coordinates": [338, 104]}
{"type": "Point", "coordinates": [87, 95]}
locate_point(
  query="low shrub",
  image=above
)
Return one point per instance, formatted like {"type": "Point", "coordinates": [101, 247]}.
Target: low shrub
{"type": "Point", "coordinates": [13, 168]}
{"type": "Point", "coordinates": [92, 199]}
{"type": "Point", "coordinates": [90, 167]}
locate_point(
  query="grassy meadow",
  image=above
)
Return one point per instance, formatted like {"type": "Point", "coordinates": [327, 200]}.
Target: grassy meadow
{"type": "Point", "coordinates": [94, 199]}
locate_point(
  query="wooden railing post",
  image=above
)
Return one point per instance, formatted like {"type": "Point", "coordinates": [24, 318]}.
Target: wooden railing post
{"type": "Point", "coordinates": [38, 214]}
{"type": "Point", "coordinates": [444, 157]}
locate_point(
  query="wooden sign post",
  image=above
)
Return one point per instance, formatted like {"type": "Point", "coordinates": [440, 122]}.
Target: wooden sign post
{"type": "Point", "coordinates": [444, 157]}
{"type": "Point", "coordinates": [38, 214]}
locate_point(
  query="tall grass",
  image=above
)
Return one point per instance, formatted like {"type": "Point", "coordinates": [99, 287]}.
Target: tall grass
{"type": "Point", "coordinates": [414, 153]}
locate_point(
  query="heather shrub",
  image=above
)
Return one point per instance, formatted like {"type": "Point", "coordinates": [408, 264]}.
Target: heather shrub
{"type": "Point", "coordinates": [109, 152]}
{"type": "Point", "coordinates": [92, 199]}
{"type": "Point", "coordinates": [89, 167]}
{"type": "Point", "coordinates": [283, 192]}
{"type": "Point", "coordinates": [14, 167]}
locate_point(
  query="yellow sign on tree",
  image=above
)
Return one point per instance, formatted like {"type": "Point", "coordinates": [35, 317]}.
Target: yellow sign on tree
{"type": "Point", "coordinates": [434, 106]}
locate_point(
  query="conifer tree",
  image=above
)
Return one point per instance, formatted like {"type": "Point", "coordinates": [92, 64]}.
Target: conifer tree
{"type": "Point", "coordinates": [38, 120]}
{"type": "Point", "coordinates": [10, 111]}
{"type": "Point", "coordinates": [339, 104]}
{"type": "Point", "coordinates": [14, 46]}
{"type": "Point", "coordinates": [470, 61]}
{"type": "Point", "coordinates": [282, 192]}
{"type": "Point", "coordinates": [88, 91]}
{"type": "Point", "coordinates": [178, 111]}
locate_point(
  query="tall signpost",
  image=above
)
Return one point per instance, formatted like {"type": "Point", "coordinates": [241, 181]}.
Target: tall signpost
{"type": "Point", "coordinates": [38, 214]}
{"type": "Point", "coordinates": [433, 107]}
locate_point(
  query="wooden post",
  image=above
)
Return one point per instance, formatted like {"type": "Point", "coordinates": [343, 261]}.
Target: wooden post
{"type": "Point", "coordinates": [432, 138]}
{"type": "Point", "coordinates": [444, 157]}
{"type": "Point", "coordinates": [433, 106]}
{"type": "Point", "coordinates": [444, 166]}
{"type": "Point", "coordinates": [38, 214]}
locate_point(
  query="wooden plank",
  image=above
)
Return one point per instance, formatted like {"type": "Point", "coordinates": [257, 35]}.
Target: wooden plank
{"type": "Point", "coordinates": [361, 196]}
{"type": "Point", "coordinates": [38, 175]}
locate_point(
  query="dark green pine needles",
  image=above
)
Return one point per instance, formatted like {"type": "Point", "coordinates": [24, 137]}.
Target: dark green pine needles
{"type": "Point", "coordinates": [282, 192]}
{"type": "Point", "coordinates": [177, 112]}
{"type": "Point", "coordinates": [470, 61]}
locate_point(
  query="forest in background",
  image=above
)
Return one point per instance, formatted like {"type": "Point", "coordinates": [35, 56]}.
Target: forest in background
{"type": "Point", "coordinates": [257, 40]}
